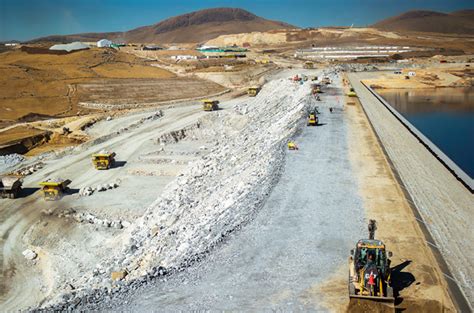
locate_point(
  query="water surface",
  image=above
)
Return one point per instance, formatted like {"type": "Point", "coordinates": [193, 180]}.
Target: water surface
{"type": "Point", "coordinates": [444, 115]}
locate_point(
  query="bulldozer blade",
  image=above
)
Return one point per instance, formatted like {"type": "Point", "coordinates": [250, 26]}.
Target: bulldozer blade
{"type": "Point", "coordinates": [374, 298]}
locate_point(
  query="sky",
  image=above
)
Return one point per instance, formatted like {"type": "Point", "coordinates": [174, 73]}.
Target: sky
{"type": "Point", "coordinates": [28, 19]}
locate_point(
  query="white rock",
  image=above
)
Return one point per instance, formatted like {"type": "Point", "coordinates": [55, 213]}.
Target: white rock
{"type": "Point", "coordinates": [29, 254]}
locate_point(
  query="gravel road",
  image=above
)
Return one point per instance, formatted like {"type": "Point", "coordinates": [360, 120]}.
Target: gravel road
{"type": "Point", "coordinates": [444, 204]}
{"type": "Point", "coordinates": [299, 238]}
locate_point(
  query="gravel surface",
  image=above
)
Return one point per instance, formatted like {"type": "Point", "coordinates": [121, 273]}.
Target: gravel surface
{"type": "Point", "coordinates": [9, 161]}
{"type": "Point", "coordinates": [298, 239]}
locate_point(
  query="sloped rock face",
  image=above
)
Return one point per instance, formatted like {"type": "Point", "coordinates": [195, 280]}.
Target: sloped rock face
{"type": "Point", "coordinates": [215, 195]}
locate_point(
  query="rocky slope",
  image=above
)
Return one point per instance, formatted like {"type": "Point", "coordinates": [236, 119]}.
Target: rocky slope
{"type": "Point", "coordinates": [459, 22]}
{"type": "Point", "coordinates": [192, 27]}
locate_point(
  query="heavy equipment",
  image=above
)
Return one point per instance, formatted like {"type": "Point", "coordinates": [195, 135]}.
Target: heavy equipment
{"type": "Point", "coordinates": [352, 93]}
{"type": "Point", "coordinates": [369, 269]}
{"type": "Point", "coordinates": [10, 186]}
{"type": "Point", "coordinates": [54, 188]}
{"type": "Point", "coordinates": [312, 119]}
{"type": "Point", "coordinates": [253, 91]}
{"type": "Point", "coordinates": [308, 65]}
{"type": "Point", "coordinates": [210, 105]}
{"type": "Point", "coordinates": [315, 89]}
{"type": "Point", "coordinates": [292, 145]}
{"type": "Point", "coordinates": [103, 160]}
{"type": "Point", "coordinates": [326, 81]}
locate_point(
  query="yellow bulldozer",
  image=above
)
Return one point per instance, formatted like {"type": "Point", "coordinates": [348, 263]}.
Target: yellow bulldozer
{"type": "Point", "coordinates": [369, 269]}
{"type": "Point", "coordinates": [54, 189]}
{"type": "Point", "coordinates": [253, 91]}
{"type": "Point", "coordinates": [210, 105]}
{"type": "Point", "coordinates": [103, 160]}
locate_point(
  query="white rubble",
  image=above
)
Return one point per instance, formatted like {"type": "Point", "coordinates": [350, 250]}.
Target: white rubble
{"type": "Point", "coordinates": [29, 254]}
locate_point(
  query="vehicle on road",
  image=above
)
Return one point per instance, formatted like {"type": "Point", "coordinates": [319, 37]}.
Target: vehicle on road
{"type": "Point", "coordinates": [210, 105]}
{"type": "Point", "coordinates": [10, 186]}
{"type": "Point", "coordinates": [54, 189]}
{"type": "Point", "coordinates": [369, 269]}
{"type": "Point", "coordinates": [312, 119]}
{"type": "Point", "coordinates": [253, 91]}
{"type": "Point", "coordinates": [103, 160]}
{"type": "Point", "coordinates": [292, 145]}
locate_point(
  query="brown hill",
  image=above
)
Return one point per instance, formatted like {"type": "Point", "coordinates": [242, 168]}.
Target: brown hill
{"type": "Point", "coordinates": [459, 22]}
{"type": "Point", "coordinates": [193, 27]}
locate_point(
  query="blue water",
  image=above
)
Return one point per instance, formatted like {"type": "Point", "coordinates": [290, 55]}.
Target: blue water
{"type": "Point", "coordinates": [444, 115]}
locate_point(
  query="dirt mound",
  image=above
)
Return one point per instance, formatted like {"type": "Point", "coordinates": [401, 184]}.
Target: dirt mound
{"type": "Point", "coordinates": [194, 27]}
{"type": "Point", "coordinates": [459, 22]}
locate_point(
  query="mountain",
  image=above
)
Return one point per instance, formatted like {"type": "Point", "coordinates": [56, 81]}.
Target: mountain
{"type": "Point", "coordinates": [459, 22]}
{"type": "Point", "coordinates": [193, 27]}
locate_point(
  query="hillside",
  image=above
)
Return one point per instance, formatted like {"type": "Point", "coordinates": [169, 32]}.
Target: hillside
{"type": "Point", "coordinates": [193, 27]}
{"type": "Point", "coordinates": [459, 22]}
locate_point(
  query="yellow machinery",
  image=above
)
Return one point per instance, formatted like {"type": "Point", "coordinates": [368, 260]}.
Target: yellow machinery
{"type": "Point", "coordinates": [103, 160]}
{"type": "Point", "coordinates": [352, 93]}
{"type": "Point", "coordinates": [253, 91]}
{"type": "Point", "coordinates": [369, 269]}
{"type": "Point", "coordinates": [312, 119]}
{"type": "Point", "coordinates": [210, 105]}
{"type": "Point", "coordinates": [326, 81]}
{"type": "Point", "coordinates": [53, 189]}
{"type": "Point", "coordinates": [292, 145]}
{"type": "Point", "coordinates": [308, 65]}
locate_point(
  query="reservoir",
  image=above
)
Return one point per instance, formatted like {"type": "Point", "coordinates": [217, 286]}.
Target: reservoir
{"type": "Point", "coordinates": [444, 115]}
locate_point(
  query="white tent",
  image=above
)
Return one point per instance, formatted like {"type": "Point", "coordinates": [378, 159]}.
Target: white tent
{"type": "Point", "coordinates": [70, 46]}
{"type": "Point", "coordinates": [104, 43]}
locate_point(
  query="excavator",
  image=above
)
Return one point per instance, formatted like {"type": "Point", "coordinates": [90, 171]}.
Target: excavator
{"type": "Point", "coordinates": [210, 105]}
{"type": "Point", "coordinates": [369, 269]}
{"type": "Point", "coordinates": [53, 189]}
{"type": "Point", "coordinates": [103, 160]}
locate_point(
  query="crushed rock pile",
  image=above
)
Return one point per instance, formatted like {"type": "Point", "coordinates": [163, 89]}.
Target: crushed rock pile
{"type": "Point", "coordinates": [28, 170]}
{"type": "Point", "coordinates": [213, 197]}
{"type": "Point", "coordinates": [89, 190]}
{"type": "Point", "coordinates": [9, 161]}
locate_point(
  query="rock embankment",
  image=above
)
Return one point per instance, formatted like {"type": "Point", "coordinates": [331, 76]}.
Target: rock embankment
{"type": "Point", "coordinates": [213, 197]}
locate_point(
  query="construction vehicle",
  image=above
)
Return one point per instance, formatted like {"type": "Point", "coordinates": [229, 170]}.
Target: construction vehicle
{"type": "Point", "coordinates": [210, 105]}
{"type": "Point", "coordinates": [103, 160]}
{"type": "Point", "coordinates": [351, 93]}
{"type": "Point", "coordinates": [314, 78]}
{"type": "Point", "coordinates": [292, 145]}
{"type": "Point", "coordinates": [369, 269]}
{"type": "Point", "coordinates": [312, 119]}
{"type": "Point", "coordinates": [10, 186]}
{"type": "Point", "coordinates": [326, 81]}
{"type": "Point", "coordinates": [253, 91]}
{"type": "Point", "coordinates": [308, 65]}
{"type": "Point", "coordinates": [296, 78]}
{"type": "Point", "coordinates": [54, 189]}
{"type": "Point", "coordinates": [315, 89]}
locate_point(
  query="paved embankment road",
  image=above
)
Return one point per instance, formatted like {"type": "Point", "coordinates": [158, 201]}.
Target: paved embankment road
{"type": "Point", "coordinates": [445, 205]}
{"type": "Point", "coordinates": [298, 240]}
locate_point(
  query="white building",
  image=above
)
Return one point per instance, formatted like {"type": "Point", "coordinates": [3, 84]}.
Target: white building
{"type": "Point", "coordinates": [104, 43]}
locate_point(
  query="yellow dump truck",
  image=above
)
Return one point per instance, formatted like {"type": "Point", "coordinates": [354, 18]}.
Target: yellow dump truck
{"type": "Point", "coordinates": [292, 145]}
{"type": "Point", "coordinates": [210, 105]}
{"type": "Point", "coordinates": [312, 119]}
{"type": "Point", "coordinates": [103, 160]}
{"type": "Point", "coordinates": [308, 65]}
{"type": "Point", "coordinates": [253, 91]}
{"type": "Point", "coordinates": [10, 186]}
{"type": "Point", "coordinates": [53, 189]}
